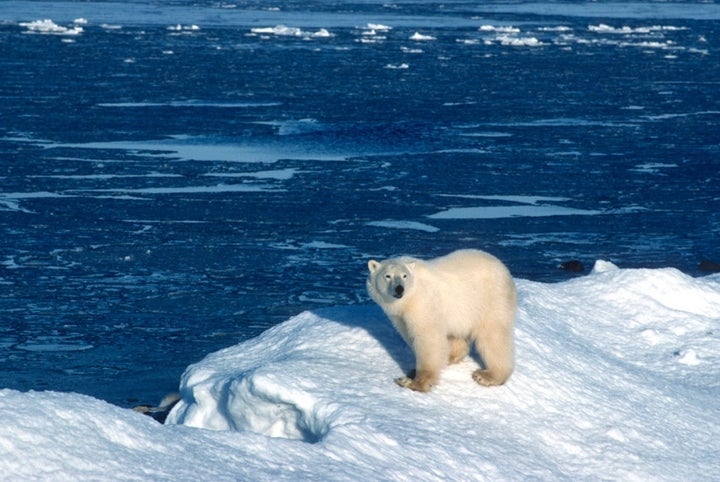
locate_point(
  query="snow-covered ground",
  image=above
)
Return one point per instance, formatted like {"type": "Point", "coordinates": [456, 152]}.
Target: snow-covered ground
{"type": "Point", "coordinates": [618, 378]}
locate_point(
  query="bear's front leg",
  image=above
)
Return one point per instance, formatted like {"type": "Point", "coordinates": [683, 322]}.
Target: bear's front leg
{"type": "Point", "coordinates": [431, 349]}
{"type": "Point", "coordinates": [420, 381]}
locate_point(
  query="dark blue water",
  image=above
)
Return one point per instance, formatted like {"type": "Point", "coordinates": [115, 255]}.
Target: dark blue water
{"type": "Point", "coordinates": [173, 182]}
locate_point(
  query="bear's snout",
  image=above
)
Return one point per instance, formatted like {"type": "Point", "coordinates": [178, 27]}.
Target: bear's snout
{"type": "Point", "coordinates": [398, 291]}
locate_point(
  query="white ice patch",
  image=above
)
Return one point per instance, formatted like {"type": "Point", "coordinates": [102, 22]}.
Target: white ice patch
{"type": "Point", "coordinates": [403, 66]}
{"type": "Point", "coordinates": [48, 344]}
{"type": "Point", "coordinates": [277, 174]}
{"type": "Point", "coordinates": [523, 206]}
{"type": "Point", "coordinates": [653, 167]}
{"type": "Point", "coordinates": [513, 41]}
{"type": "Point", "coordinates": [285, 31]}
{"type": "Point", "coordinates": [190, 103]}
{"type": "Point", "coordinates": [201, 149]}
{"type": "Point", "coordinates": [418, 37]}
{"type": "Point", "coordinates": [211, 189]}
{"type": "Point", "coordinates": [499, 212]}
{"type": "Point", "coordinates": [323, 245]}
{"type": "Point", "coordinates": [48, 27]}
{"type": "Point", "coordinates": [398, 224]}
{"type": "Point", "coordinates": [379, 27]}
{"type": "Point", "coordinates": [183, 28]}
{"type": "Point", "coordinates": [507, 29]}
{"type": "Point", "coordinates": [625, 30]}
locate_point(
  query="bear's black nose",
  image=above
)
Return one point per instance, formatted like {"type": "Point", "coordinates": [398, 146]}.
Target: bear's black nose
{"type": "Point", "coordinates": [399, 290]}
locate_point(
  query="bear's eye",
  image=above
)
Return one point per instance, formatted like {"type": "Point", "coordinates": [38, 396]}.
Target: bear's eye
{"type": "Point", "coordinates": [388, 277]}
{"type": "Point", "coordinates": [404, 276]}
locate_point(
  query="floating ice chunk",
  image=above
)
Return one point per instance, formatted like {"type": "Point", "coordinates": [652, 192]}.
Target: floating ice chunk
{"type": "Point", "coordinates": [603, 28]}
{"type": "Point", "coordinates": [418, 37]}
{"type": "Point", "coordinates": [509, 40]}
{"type": "Point", "coordinates": [322, 33]}
{"type": "Point", "coordinates": [277, 174]}
{"type": "Point", "coordinates": [499, 212]}
{"type": "Point", "coordinates": [402, 66]}
{"type": "Point", "coordinates": [652, 167]}
{"type": "Point", "coordinates": [626, 30]}
{"type": "Point", "coordinates": [378, 26]}
{"type": "Point", "coordinates": [560, 28]}
{"type": "Point", "coordinates": [323, 245]}
{"type": "Point", "coordinates": [50, 346]}
{"type": "Point", "coordinates": [280, 30]}
{"type": "Point", "coordinates": [183, 28]}
{"type": "Point", "coordinates": [392, 224]}
{"type": "Point", "coordinates": [493, 28]}
{"type": "Point", "coordinates": [285, 31]}
{"type": "Point", "coordinates": [49, 27]}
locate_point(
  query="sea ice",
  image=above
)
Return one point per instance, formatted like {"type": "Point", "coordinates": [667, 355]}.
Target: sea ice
{"type": "Point", "coordinates": [418, 37]}
{"type": "Point", "coordinates": [611, 383]}
{"type": "Point", "coordinates": [47, 26]}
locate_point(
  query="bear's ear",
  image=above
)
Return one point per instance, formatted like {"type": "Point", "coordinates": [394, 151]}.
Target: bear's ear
{"type": "Point", "coordinates": [373, 265]}
{"type": "Point", "coordinates": [411, 266]}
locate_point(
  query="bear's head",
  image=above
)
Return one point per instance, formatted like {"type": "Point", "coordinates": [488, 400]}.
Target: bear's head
{"type": "Point", "coordinates": [389, 280]}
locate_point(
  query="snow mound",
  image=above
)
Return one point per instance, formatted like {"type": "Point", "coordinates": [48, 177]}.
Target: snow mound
{"type": "Point", "coordinates": [618, 377]}
{"type": "Point", "coordinates": [602, 361]}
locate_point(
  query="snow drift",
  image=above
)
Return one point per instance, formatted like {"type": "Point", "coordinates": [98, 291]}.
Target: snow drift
{"type": "Point", "coordinates": [618, 377]}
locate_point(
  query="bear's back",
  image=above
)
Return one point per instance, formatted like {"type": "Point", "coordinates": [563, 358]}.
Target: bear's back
{"type": "Point", "coordinates": [467, 261]}
{"type": "Point", "coordinates": [470, 277]}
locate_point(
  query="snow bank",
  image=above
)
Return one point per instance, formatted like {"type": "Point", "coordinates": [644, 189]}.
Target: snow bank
{"type": "Point", "coordinates": [617, 378]}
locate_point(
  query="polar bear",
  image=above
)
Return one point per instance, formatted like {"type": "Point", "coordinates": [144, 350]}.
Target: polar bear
{"type": "Point", "coordinates": [441, 305]}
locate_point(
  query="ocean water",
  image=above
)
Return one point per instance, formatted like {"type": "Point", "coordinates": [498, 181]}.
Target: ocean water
{"type": "Point", "coordinates": [176, 177]}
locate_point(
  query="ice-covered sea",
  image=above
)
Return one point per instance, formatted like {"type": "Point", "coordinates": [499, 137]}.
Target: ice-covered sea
{"type": "Point", "coordinates": [178, 177]}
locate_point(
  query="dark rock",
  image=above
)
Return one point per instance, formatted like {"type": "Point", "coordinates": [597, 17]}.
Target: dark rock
{"type": "Point", "coordinates": [573, 265]}
{"type": "Point", "coordinates": [709, 266]}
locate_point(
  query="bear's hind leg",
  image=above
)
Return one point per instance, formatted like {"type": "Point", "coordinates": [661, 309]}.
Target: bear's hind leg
{"type": "Point", "coordinates": [489, 378]}
{"type": "Point", "coordinates": [498, 355]}
{"type": "Point", "coordinates": [459, 349]}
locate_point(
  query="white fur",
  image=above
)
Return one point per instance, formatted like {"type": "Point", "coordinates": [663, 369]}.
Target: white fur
{"type": "Point", "coordinates": [441, 305]}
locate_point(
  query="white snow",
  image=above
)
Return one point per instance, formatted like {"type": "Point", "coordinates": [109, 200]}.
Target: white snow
{"type": "Point", "coordinates": [618, 378]}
